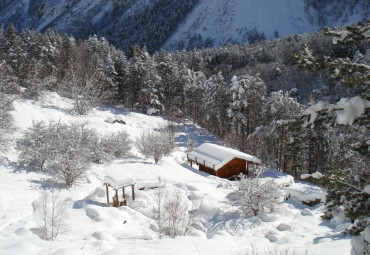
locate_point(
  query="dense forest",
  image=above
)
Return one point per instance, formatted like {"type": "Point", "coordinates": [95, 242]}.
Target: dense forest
{"type": "Point", "coordinates": [251, 96]}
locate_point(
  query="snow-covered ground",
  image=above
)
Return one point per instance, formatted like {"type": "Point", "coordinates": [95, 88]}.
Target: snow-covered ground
{"type": "Point", "coordinates": [95, 228]}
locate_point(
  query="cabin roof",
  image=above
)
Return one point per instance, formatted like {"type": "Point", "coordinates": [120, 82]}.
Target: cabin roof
{"type": "Point", "coordinates": [216, 156]}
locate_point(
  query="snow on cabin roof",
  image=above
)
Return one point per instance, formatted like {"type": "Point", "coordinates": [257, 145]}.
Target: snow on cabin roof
{"type": "Point", "coordinates": [216, 156]}
{"type": "Point", "coordinates": [119, 179]}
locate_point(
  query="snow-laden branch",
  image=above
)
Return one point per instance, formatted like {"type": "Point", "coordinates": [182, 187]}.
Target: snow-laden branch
{"type": "Point", "coordinates": [317, 175]}
{"type": "Point", "coordinates": [346, 110]}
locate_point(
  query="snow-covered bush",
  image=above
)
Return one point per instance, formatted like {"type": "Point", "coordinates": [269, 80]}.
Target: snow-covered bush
{"type": "Point", "coordinates": [6, 120]}
{"type": "Point", "coordinates": [67, 150]}
{"type": "Point", "coordinates": [72, 154]}
{"type": "Point", "coordinates": [255, 196]}
{"type": "Point", "coordinates": [51, 214]}
{"type": "Point", "coordinates": [172, 212]}
{"type": "Point", "coordinates": [36, 146]}
{"type": "Point", "coordinates": [118, 145]}
{"type": "Point", "coordinates": [154, 144]}
{"type": "Point", "coordinates": [64, 150]}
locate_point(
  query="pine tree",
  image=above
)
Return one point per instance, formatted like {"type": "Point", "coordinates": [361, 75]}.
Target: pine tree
{"type": "Point", "coordinates": [215, 103]}
{"type": "Point", "coordinates": [353, 71]}
{"type": "Point", "coordinates": [248, 102]}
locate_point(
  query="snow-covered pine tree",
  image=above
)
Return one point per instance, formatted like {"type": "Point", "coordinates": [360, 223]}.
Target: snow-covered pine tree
{"type": "Point", "coordinates": [247, 105]}
{"type": "Point", "coordinates": [215, 104]}
{"type": "Point", "coordinates": [193, 87]}
{"type": "Point", "coordinates": [6, 120]}
{"type": "Point", "coordinates": [14, 48]}
{"type": "Point", "coordinates": [149, 95]}
{"type": "Point", "coordinates": [353, 69]}
{"type": "Point", "coordinates": [169, 72]}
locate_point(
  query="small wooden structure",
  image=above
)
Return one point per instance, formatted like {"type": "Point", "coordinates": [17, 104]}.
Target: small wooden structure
{"type": "Point", "coordinates": [118, 183]}
{"type": "Point", "coordinates": [221, 161]}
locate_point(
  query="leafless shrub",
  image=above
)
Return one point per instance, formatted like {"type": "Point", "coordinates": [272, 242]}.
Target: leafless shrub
{"type": "Point", "coordinates": [35, 147]}
{"type": "Point", "coordinates": [73, 156]}
{"type": "Point", "coordinates": [51, 214]}
{"type": "Point", "coordinates": [172, 212]}
{"type": "Point", "coordinates": [118, 144]}
{"type": "Point", "coordinates": [66, 150]}
{"type": "Point", "coordinates": [255, 196]}
{"type": "Point", "coordinates": [275, 251]}
{"type": "Point", "coordinates": [154, 145]}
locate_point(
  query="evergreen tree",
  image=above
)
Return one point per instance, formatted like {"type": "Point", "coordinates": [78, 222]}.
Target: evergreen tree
{"type": "Point", "coordinates": [353, 71]}
{"type": "Point", "coordinates": [248, 102]}
{"type": "Point", "coordinates": [215, 104]}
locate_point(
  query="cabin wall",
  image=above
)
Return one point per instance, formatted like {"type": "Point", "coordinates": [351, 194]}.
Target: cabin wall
{"type": "Point", "coordinates": [233, 168]}
{"type": "Point", "coordinates": [207, 169]}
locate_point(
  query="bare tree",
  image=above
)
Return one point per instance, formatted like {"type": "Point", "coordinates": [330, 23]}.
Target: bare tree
{"type": "Point", "coordinates": [255, 196]}
{"type": "Point", "coordinates": [85, 81]}
{"type": "Point", "coordinates": [51, 214]}
{"type": "Point", "coordinates": [172, 212]}
{"type": "Point", "coordinates": [117, 144]}
{"type": "Point", "coordinates": [160, 198]}
{"type": "Point", "coordinates": [35, 146]}
{"type": "Point", "coordinates": [154, 144]}
{"type": "Point", "coordinates": [73, 156]}
{"type": "Point", "coordinates": [66, 150]}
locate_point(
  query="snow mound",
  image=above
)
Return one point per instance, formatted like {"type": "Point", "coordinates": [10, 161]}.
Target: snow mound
{"type": "Point", "coordinates": [306, 212]}
{"type": "Point", "coordinates": [283, 227]}
{"type": "Point", "coordinates": [280, 178]}
{"type": "Point", "coordinates": [305, 192]}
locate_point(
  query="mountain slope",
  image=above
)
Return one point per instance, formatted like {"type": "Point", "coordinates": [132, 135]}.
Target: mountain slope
{"type": "Point", "coordinates": [241, 21]}
{"type": "Point", "coordinates": [180, 23]}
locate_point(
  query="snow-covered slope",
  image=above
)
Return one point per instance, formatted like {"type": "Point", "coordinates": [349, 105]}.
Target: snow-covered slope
{"type": "Point", "coordinates": [158, 23]}
{"type": "Point", "coordinates": [95, 228]}
{"type": "Point", "coordinates": [223, 20]}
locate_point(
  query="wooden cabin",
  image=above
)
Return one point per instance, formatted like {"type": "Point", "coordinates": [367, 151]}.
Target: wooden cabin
{"type": "Point", "coordinates": [221, 161]}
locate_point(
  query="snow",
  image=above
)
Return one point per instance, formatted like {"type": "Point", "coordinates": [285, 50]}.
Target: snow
{"type": "Point", "coordinates": [119, 179]}
{"type": "Point", "coordinates": [367, 189]}
{"type": "Point", "coordinates": [346, 110]}
{"type": "Point", "coordinates": [313, 111]}
{"type": "Point", "coordinates": [305, 192]}
{"type": "Point", "coordinates": [317, 175]}
{"type": "Point", "coordinates": [225, 19]}
{"type": "Point", "coordinates": [280, 178]}
{"type": "Point", "coordinates": [343, 35]}
{"type": "Point", "coordinates": [216, 156]}
{"type": "Point", "coordinates": [361, 244]}
{"type": "Point", "coordinates": [93, 227]}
